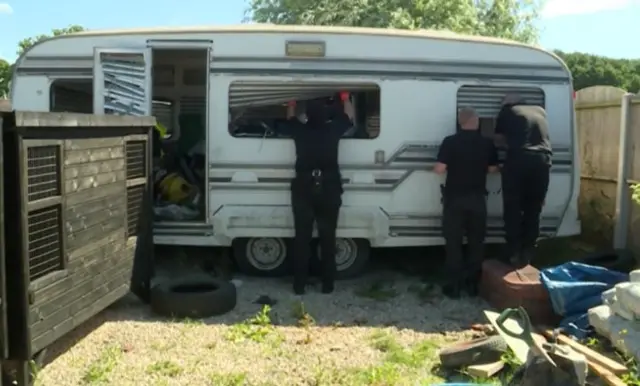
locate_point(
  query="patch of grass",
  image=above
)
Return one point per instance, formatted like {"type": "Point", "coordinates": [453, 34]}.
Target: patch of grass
{"type": "Point", "coordinates": [256, 329]}
{"type": "Point", "coordinates": [378, 290]}
{"type": "Point", "coordinates": [303, 318]}
{"type": "Point", "coordinates": [384, 341]}
{"type": "Point", "coordinates": [191, 322]}
{"type": "Point", "coordinates": [165, 369]}
{"type": "Point", "coordinates": [228, 379]}
{"type": "Point", "coordinates": [99, 370]}
{"type": "Point", "coordinates": [162, 346]}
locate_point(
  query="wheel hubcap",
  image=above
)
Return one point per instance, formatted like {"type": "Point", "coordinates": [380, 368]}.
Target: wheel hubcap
{"type": "Point", "coordinates": [266, 253]}
{"type": "Point", "coordinates": [346, 253]}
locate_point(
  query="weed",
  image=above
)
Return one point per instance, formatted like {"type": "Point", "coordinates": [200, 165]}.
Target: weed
{"type": "Point", "coordinates": [384, 342]}
{"type": "Point", "coordinates": [257, 328]}
{"type": "Point", "coordinates": [378, 290]}
{"type": "Point", "coordinates": [99, 370]}
{"type": "Point", "coordinates": [229, 379]}
{"type": "Point", "coordinates": [303, 318]}
{"type": "Point", "coordinates": [165, 368]}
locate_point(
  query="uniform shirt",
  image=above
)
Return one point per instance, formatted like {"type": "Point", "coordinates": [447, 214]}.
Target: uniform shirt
{"type": "Point", "coordinates": [468, 156]}
{"type": "Point", "coordinates": [525, 127]}
{"type": "Point", "coordinates": [317, 147]}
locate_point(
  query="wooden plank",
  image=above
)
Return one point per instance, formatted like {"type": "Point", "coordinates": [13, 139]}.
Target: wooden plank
{"type": "Point", "coordinates": [592, 355]}
{"type": "Point", "coordinates": [92, 168]}
{"type": "Point", "coordinates": [64, 328]}
{"type": "Point", "coordinates": [486, 370]}
{"type": "Point", "coordinates": [92, 143]}
{"type": "Point", "coordinates": [73, 157]}
{"type": "Point", "coordinates": [81, 223]}
{"type": "Point", "coordinates": [93, 182]}
{"type": "Point", "coordinates": [95, 289]}
{"type": "Point", "coordinates": [607, 376]}
{"type": "Point", "coordinates": [80, 239]}
{"type": "Point", "coordinates": [108, 255]}
{"type": "Point", "coordinates": [114, 237]}
{"type": "Point", "coordinates": [109, 190]}
{"type": "Point", "coordinates": [93, 206]}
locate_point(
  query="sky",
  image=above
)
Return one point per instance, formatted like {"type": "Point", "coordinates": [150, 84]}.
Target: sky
{"type": "Point", "coordinates": [592, 26]}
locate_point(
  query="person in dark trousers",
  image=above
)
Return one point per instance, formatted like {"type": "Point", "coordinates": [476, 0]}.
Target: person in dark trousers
{"type": "Point", "coordinates": [466, 157]}
{"type": "Point", "coordinates": [316, 190]}
{"type": "Point", "coordinates": [524, 131]}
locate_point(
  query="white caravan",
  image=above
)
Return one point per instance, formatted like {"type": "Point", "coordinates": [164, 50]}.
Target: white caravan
{"type": "Point", "coordinates": [227, 88]}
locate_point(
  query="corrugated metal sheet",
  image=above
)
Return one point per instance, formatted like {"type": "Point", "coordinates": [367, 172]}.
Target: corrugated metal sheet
{"type": "Point", "coordinates": [487, 100]}
{"type": "Point", "coordinates": [264, 93]}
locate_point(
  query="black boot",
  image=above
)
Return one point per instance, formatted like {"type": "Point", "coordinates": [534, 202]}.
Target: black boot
{"type": "Point", "coordinates": [327, 286]}
{"type": "Point", "coordinates": [471, 286]}
{"type": "Point", "coordinates": [298, 287]}
{"type": "Point", "coordinates": [451, 290]}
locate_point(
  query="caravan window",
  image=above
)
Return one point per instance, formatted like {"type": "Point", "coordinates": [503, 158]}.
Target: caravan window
{"type": "Point", "coordinates": [71, 96]}
{"type": "Point", "coordinates": [258, 109]}
{"type": "Point", "coordinates": [487, 101]}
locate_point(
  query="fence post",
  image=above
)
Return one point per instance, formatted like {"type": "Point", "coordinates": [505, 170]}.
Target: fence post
{"type": "Point", "coordinates": [623, 194]}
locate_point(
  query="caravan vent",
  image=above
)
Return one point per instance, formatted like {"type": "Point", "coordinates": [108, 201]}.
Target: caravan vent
{"type": "Point", "coordinates": [193, 105]}
{"type": "Point", "coordinates": [43, 172]}
{"type": "Point", "coordinates": [44, 241]}
{"type": "Point", "coordinates": [487, 100]}
{"type": "Point", "coordinates": [135, 195]}
{"type": "Point", "coordinates": [136, 162]}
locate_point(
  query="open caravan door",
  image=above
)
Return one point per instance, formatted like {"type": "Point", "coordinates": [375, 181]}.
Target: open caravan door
{"type": "Point", "coordinates": [122, 85]}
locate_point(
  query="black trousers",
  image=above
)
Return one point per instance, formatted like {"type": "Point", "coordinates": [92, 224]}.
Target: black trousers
{"type": "Point", "coordinates": [318, 204]}
{"type": "Point", "coordinates": [525, 181]}
{"type": "Point", "coordinates": [464, 214]}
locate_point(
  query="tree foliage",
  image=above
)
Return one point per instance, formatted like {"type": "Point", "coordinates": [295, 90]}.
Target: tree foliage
{"type": "Point", "coordinates": [26, 43]}
{"type": "Point", "coordinates": [5, 78]}
{"type": "Point", "coordinates": [511, 19]}
{"type": "Point", "coordinates": [23, 45]}
{"type": "Point", "coordinates": [593, 70]}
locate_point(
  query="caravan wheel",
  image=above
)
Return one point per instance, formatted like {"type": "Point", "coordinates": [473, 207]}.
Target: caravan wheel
{"type": "Point", "coordinates": [352, 257]}
{"type": "Point", "coordinates": [261, 256]}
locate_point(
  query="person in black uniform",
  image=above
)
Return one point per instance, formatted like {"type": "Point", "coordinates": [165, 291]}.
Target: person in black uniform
{"type": "Point", "coordinates": [466, 157]}
{"type": "Point", "coordinates": [524, 131]}
{"type": "Point", "coordinates": [316, 190]}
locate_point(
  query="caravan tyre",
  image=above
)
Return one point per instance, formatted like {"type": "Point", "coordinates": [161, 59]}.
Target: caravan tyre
{"type": "Point", "coordinates": [261, 256]}
{"type": "Point", "coordinates": [197, 298]}
{"type": "Point", "coordinates": [352, 257]}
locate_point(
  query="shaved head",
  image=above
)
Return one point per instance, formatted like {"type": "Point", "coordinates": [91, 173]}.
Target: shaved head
{"type": "Point", "coordinates": [468, 118]}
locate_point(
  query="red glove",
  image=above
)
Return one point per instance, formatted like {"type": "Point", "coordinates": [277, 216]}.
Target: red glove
{"type": "Point", "coordinates": [344, 95]}
{"type": "Point", "coordinates": [292, 103]}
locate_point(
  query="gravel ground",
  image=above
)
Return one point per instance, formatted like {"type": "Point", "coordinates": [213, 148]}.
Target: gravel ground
{"type": "Point", "coordinates": [382, 329]}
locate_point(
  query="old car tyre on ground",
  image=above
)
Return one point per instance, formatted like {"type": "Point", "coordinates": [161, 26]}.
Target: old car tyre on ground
{"type": "Point", "coordinates": [261, 256]}
{"type": "Point", "coordinates": [197, 297]}
{"type": "Point", "coordinates": [352, 257]}
{"type": "Point", "coordinates": [482, 350]}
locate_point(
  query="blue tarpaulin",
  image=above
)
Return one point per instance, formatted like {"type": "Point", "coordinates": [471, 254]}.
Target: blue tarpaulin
{"type": "Point", "coordinates": [574, 288]}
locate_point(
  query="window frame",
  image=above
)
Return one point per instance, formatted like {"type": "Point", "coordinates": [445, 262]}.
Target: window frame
{"type": "Point", "coordinates": [310, 79]}
{"type": "Point", "coordinates": [516, 88]}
